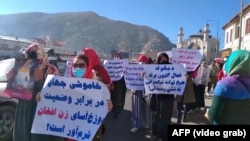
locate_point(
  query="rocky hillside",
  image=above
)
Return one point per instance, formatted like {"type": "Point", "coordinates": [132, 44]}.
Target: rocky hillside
{"type": "Point", "coordinates": [86, 29]}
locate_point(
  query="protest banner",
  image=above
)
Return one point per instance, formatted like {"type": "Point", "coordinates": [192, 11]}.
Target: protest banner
{"type": "Point", "coordinates": [190, 57]}
{"type": "Point", "coordinates": [67, 70]}
{"type": "Point", "coordinates": [133, 77]}
{"type": "Point", "coordinates": [20, 85]}
{"type": "Point", "coordinates": [115, 68]}
{"type": "Point", "coordinates": [71, 107]}
{"type": "Point", "coordinates": [164, 79]}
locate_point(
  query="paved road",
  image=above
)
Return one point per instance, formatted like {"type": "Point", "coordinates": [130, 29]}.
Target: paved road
{"type": "Point", "coordinates": [118, 129]}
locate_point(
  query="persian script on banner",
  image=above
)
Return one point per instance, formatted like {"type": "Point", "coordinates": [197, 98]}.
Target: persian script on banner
{"type": "Point", "coordinates": [165, 79]}
{"type": "Point", "coordinates": [133, 77]}
{"type": "Point", "coordinates": [115, 68]}
{"type": "Point", "coordinates": [191, 58]}
{"type": "Point", "coordinates": [71, 107]}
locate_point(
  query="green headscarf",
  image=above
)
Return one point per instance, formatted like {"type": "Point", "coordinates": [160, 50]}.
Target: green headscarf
{"type": "Point", "coordinates": [238, 63]}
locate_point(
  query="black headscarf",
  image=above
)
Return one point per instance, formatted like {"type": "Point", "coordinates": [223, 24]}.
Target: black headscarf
{"type": "Point", "coordinates": [163, 54]}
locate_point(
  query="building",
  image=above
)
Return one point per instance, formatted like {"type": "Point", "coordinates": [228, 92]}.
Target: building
{"type": "Point", "coordinates": [58, 47]}
{"type": "Point", "coordinates": [238, 25]}
{"type": "Point", "coordinates": [200, 40]}
{"type": "Point", "coordinates": [10, 46]}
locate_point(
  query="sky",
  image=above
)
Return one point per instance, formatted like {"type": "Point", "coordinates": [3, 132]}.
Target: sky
{"type": "Point", "coordinates": [165, 16]}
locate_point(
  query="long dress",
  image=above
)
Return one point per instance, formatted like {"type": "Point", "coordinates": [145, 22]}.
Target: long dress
{"type": "Point", "coordinates": [162, 113]}
{"type": "Point", "coordinates": [118, 96]}
{"type": "Point", "coordinates": [141, 115]}
{"type": "Point", "coordinates": [25, 113]}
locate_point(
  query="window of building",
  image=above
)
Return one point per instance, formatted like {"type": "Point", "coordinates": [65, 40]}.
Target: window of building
{"type": "Point", "coordinates": [4, 46]}
{"type": "Point", "coordinates": [231, 35]}
{"type": "Point", "coordinates": [237, 31]}
{"type": "Point", "coordinates": [247, 26]}
{"type": "Point", "coordinates": [18, 47]}
{"type": "Point", "coordinates": [227, 37]}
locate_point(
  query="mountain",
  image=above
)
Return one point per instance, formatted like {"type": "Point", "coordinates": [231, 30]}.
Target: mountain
{"type": "Point", "coordinates": [86, 29]}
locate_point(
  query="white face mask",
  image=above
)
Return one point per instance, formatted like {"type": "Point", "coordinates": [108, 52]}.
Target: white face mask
{"type": "Point", "coordinates": [116, 58]}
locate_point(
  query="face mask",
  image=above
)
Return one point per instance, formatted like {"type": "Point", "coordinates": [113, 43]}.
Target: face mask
{"type": "Point", "coordinates": [141, 63]}
{"type": "Point", "coordinates": [116, 58]}
{"type": "Point", "coordinates": [78, 72]}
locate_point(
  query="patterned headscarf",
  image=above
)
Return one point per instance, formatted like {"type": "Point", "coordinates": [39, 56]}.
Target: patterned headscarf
{"type": "Point", "coordinates": [238, 63]}
{"type": "Point", "coordinates": [36, 51]}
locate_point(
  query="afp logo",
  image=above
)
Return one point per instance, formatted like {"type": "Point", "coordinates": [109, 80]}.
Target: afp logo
{"type": "Point", "coordinates": [181, 132]}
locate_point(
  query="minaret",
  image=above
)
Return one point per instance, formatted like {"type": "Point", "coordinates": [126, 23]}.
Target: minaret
{"type": "Point", "coordinates": [206, 32]}
{"type": "Point", "coordinates": [180, 38]}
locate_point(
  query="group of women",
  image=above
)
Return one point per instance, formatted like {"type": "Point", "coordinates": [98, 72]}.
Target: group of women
{"type": "Point", "coordinates": [85, 65]}
{"type": "Point", "coordinates": [232, 92]}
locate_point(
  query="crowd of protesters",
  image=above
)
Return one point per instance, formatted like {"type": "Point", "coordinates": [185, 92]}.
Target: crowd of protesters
{"type": "Point", "coordinates": [227, 82]}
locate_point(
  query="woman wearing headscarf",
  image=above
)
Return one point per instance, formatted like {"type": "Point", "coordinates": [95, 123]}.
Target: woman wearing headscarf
{"type": "Point", "coordinates": [80, 68]}
{"type": "Point", "coordinates": [162, 107]}
{"type": "Point", "coordinates": [118, 94]}
{"type": "Point", "coordinates": [185, 99]}
{"type": "Point", "coordinates": [25, 111]}
{"type": "Point", "coordinates": [231, 100]}
{"type": "Point", "coordinates": [95, 64]}
{"type": "Point", "coordinates": [200, 78]}
{"type": "Point", "coordinates": [220, 74]}
{"type": "Point", "coordinates": [140, 115]}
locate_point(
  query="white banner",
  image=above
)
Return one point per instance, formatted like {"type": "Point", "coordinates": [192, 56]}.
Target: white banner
{"type": "Point", "coordinates": [190, 57]}
{"type": "Point", "coordinates": [133, 77]}
{"type": "Point", "coordinates": [71, 107]}
{"type": "Point", "coordinates": [165, 79]}
{"type": "Point", "coordinates": [115, 68]}
{"type": "Point", "coordinates": [67, 70]}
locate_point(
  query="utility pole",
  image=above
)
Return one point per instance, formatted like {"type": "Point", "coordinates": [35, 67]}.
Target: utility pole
{"type": "Point", "coordinates": [240, 26]}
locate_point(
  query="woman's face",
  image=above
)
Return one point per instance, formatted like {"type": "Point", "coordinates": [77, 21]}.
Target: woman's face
{"type": "Point", "coordinates": [79, 63]}
{"type": "Point", "coordinates": [79, 67]}
{"type": "Point", "coordinates": [163, 59]}
{"type": "Point", "coordinates": [117, 56]}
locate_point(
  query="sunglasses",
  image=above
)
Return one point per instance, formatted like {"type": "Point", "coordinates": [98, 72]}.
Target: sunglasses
{"type": "Point", "coordinates": [81, 65]}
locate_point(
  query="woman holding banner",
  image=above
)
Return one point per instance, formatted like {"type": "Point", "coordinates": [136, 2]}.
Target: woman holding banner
{"type": "Point", "coordinates": [201, 77]}
{"type": "Point", "coordinates": [80, 68]}
{"type": "Point", "coordinates": [26, 108]}
{"type": "Point", "coordinates": [141, 113]}
{"type": "Point", "coordinates": [118, 94]}
{"type": "Point", "coordinates": [162, 107]}
{"type": "Point", "coordinates": [95, 64]}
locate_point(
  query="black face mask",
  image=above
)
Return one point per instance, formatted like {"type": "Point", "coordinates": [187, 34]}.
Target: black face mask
{"type": "Point", "coordinates": [164, 62]}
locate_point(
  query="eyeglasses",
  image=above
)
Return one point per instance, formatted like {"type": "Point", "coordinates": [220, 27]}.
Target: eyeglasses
{"type": "Point", "coordinates": [81, 65]}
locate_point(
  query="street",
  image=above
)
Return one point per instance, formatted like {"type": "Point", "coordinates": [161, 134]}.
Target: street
{"type": "Point", "coordinates": [119, 129]}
